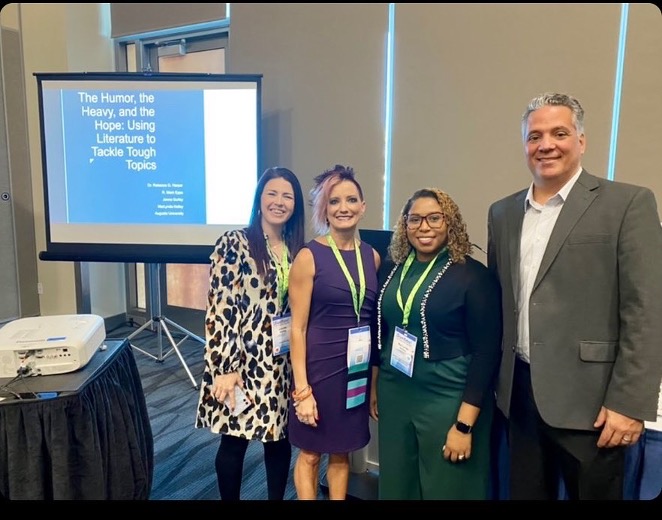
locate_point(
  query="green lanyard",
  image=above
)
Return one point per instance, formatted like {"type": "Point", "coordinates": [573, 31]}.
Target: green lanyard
{"type": "Point", "coordinates": [356, 298]}
{"type": "Point", "coordinates": [282, 273]}
{"type": "Point", "coordinates": [406, 309]}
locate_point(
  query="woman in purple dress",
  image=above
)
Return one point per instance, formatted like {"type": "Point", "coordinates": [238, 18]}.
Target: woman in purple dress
{"type": "Point", "coordinates": [332, 292]}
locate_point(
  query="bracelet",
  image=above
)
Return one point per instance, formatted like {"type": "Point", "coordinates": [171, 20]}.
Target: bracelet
{"type": "Point", "coordinates": [302, 394]}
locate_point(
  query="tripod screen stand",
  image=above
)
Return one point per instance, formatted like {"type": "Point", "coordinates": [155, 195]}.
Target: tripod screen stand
{"type": "Point", "coordinates": [160, 324]}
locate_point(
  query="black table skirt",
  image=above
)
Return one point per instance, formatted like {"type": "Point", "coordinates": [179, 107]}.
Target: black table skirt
{"type": "Point", "coordinates": [93, 444]}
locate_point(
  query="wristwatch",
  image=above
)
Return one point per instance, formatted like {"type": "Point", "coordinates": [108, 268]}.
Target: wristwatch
{"type": "Point", "coordinates": [463, 427]}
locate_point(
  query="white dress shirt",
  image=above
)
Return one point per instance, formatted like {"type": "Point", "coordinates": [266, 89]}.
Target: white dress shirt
{"type": "Point", "coordinates": [539, 220]}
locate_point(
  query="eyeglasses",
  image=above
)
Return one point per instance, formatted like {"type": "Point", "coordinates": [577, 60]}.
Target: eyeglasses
{"type": "Point", "coordinates": [434, 220]}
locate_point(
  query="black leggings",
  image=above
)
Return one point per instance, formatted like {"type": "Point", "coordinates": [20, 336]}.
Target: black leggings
{"type": "Point", "coordinates": [230, 466]}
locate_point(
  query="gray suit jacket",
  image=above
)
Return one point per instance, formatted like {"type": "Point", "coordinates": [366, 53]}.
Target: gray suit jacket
{"type": "Point", "coordinates": [595, 313]}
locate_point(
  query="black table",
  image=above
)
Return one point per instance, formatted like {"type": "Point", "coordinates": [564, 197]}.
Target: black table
{"type": "Point", "coordinates": [81, 435]}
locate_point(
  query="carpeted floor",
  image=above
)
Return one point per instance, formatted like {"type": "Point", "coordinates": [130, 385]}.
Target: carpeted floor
{"type": "Point", "coordinates": [183, 455]}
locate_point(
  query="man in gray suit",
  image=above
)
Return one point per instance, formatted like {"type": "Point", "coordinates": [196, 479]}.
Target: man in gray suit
{"type": "Point", "coordinates": [580, 264]}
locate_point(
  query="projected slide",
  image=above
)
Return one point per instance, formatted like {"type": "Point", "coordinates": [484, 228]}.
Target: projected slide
{"type": "Point", "coordinates": [147, 160]}
{"type": "Point", "coordinates": [145, 150]}
{"type": "Point", "coordinates": [143, 160]}
{"type": "Point", "coordinates": [123, 161]}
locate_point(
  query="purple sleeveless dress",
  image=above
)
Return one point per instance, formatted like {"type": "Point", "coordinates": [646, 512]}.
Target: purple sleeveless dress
{"type": "Point", "coordinates": [331, 316]}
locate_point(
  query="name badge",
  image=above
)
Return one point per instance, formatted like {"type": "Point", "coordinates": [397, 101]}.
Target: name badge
{"type": "Point", "coordinates": [358, 348]}
{"type": "Point", "coordinates": [280, 332]}
{"type": "Point", "coordinates": [404, 347]}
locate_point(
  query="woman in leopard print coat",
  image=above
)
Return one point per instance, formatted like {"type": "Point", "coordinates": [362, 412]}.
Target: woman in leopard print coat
{"type": "Point", "coordinates": [247, 301]}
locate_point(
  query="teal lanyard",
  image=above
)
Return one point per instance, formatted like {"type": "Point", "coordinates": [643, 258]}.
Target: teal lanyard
{"type": "Point", "coordinates": [406, 308]}
{"type": "Point", "coordinates": [356, 298]}
{"type": "Point", "coordinates": [282, 273]}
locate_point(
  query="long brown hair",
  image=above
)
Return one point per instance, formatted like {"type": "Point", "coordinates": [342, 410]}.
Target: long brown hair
{"type": "Point", "coordinates": [294, 228]}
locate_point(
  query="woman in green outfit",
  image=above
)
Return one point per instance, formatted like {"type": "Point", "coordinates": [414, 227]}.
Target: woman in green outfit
{"type": "Point", "coordinates": [436, 353]}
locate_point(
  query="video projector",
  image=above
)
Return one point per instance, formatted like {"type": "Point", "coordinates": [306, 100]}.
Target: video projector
{"type": "Point", "coordinates": [48, 345]}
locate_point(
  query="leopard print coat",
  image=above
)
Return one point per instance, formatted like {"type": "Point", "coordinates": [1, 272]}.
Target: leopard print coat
{"type": "Point", "coordinates": [240, 306]}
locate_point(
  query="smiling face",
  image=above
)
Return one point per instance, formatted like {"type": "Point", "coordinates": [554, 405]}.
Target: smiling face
{"type": "Point", "coordinates": [276, 203]}
{"type": "Point", "coordinates": [553, 147]}
{"type": "Point", "coordinates": [426, 240]}
{"type": "Point", "coordinates": [345, 207]}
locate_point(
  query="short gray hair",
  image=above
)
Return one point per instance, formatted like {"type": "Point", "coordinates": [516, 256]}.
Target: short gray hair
{"type": "Point", "coordinates": [559, 100]}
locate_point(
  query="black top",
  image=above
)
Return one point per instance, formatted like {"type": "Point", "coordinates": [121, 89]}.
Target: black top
{"type": "Point", "coordinates": [463, 316]}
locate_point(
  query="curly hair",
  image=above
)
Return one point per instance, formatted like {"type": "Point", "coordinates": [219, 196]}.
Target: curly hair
{"type": "Point", "coordinates": [459, 245]}
{"type": "Point", "coordinates": [321, 192]}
